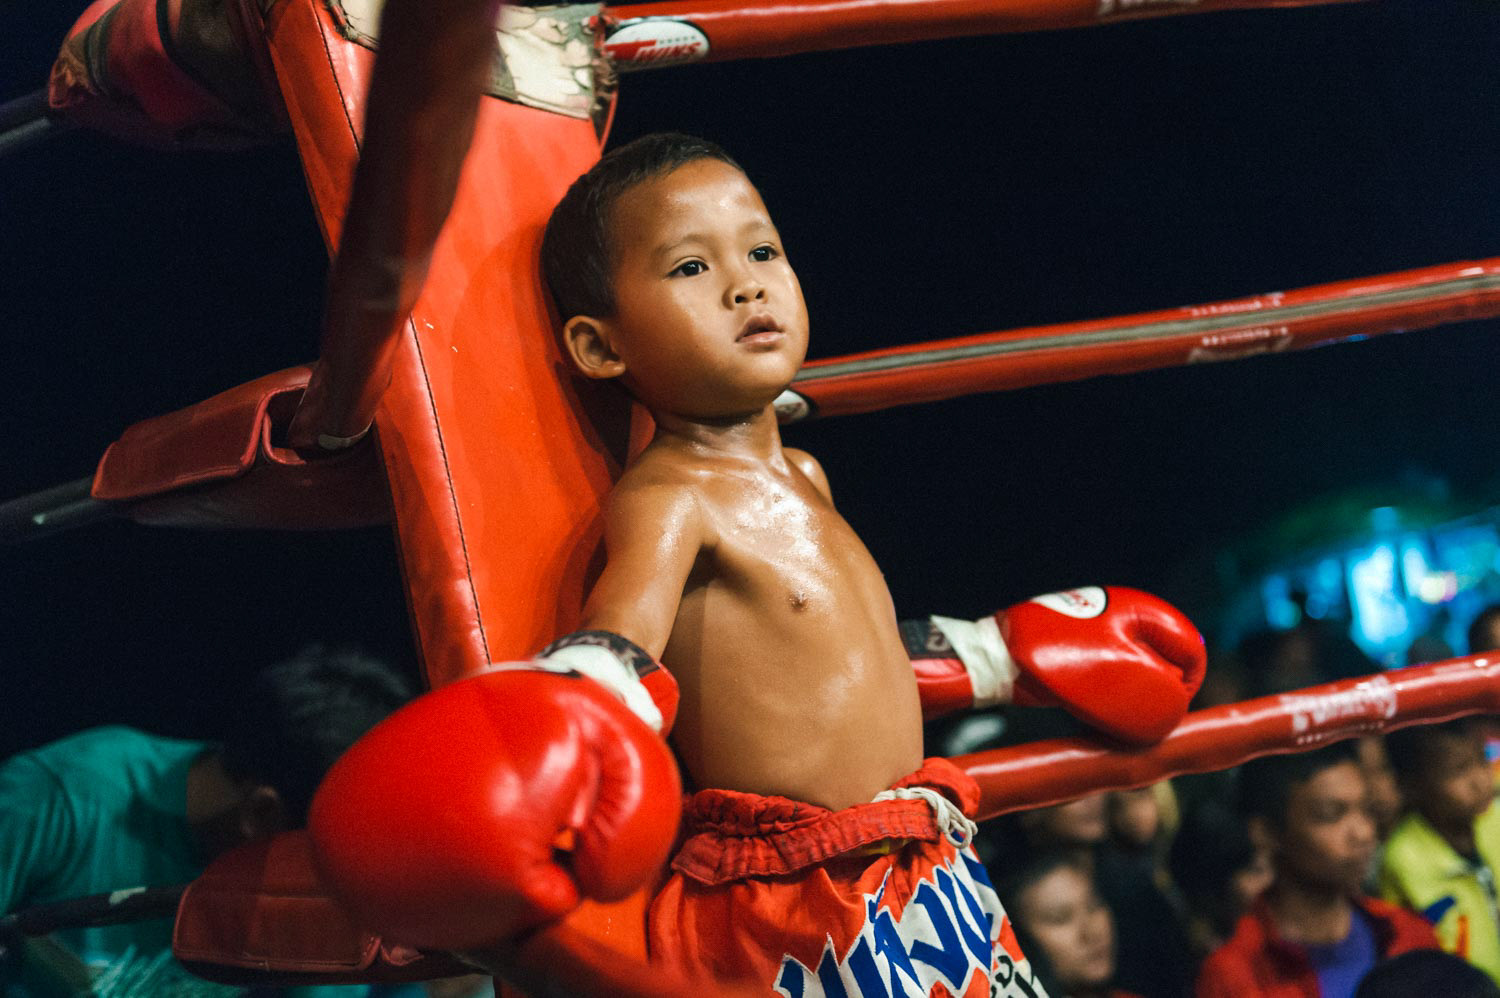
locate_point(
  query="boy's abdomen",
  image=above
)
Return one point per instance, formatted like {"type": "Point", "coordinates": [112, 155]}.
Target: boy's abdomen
{"type": "Point", "coordinates": [817, 703]}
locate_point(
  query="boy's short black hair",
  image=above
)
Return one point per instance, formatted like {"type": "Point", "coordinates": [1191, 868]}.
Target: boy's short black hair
{"type": "Point", "coordinates": [299, 716]}
{"type": "Point", "coordinates": [1410, 749]}
{"type": "Point", "coordinates": [1265, 784]}
{"type": "Point", "coordinates": [577, 247]}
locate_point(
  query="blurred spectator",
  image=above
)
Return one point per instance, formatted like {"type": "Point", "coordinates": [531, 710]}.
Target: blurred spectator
{"type": "Point", "coordinates": [1152, 953]}
{"type": "Point", "coordinates": [1316, 650]}
{"type": "Point", "coordinates": [113, 808]}
{"type": "Point", "coordinates": [1218, 872]}
{"type": "Point", "coordinates": [1225, 681]}
{"type": "Point", "coordinates": [1278, 661]}
{"type": "Point", "coordinates": [1427, 648]}
{"type": "Point", "coordinates": [1334, 652]}
{"type": "Point", "coordinates": [1063, 925]}
{"type": "Point", "coordinates": [1484, 630]}
{"type": "Point", "coordinates": [1142, 823]}
{"type": "Point", "coordinates": [1077, 825]}
{"type": "Point", "coordinates": [1431, 645]}
{"type": "Point", "coordinates": [1312, 932]}
{"type": "Point", "coordinates": [1426, 972]}
{"type": "Point", "coordinates": [1140, 819]}
{"type": "Point", "coordinates": [1483, 636]}
{"type": "Point", "coordinates": [1442, 856]}
{"type": "Point", "coordinates": [1385, 790]}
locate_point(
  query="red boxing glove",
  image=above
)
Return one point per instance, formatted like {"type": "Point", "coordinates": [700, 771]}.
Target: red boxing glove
{"type": "Point", "coordinates": [440, 829]}
{"type": "Point", "coordinates": [1120, 660]}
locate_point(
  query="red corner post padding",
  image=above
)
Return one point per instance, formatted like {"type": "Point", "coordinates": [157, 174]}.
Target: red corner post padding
{"type": "Point", "coordinates": [158, 74]}
{"type": "Point", "coordinates": [259, 915]}
{"type": "Point", "coordinates": [497, 459]}
{"type": "Point", "coordinates": [217, 464]}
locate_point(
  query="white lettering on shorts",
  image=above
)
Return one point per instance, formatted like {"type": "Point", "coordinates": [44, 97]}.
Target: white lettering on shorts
{"type": "Point", "coordinates": [949, 933]}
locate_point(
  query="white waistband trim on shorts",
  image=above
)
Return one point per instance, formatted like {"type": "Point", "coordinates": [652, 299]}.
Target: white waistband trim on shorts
{"type": "Point", "coordinates": [951, 821]}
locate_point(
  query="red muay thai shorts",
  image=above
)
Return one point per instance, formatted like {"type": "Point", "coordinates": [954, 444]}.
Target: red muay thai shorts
{"type": "Point", "coordinates": [882, 899]}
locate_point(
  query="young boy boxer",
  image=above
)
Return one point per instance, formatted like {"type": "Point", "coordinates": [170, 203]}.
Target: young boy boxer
{"type": "Point", "coordinates": [820, 854]}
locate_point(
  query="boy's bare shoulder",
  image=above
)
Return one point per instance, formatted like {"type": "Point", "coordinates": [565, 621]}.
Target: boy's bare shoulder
{"type": "Point", "coordinates": [809, 466]}
{"type": "Point", "coordinates": [659, 468]}
{"type": "Point", "coordinates": [657, 486]}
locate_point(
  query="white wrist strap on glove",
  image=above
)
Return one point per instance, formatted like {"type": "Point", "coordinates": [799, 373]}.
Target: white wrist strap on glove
{"type": "Point", "coordinates": [605, 668]}
{"type": "Point", "coordinates": [613, 673]}
{"type": "Point", "coordinates": [978, 645]}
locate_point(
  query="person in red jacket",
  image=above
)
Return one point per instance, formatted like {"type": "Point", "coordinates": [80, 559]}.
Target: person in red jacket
{"type": "Point", "coordinates": [1313, 934]}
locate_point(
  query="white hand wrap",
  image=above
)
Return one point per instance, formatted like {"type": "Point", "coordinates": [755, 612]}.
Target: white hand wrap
{"type": "Point", "coordinates": [608, 670]}
{"type": "Point", "coordinates": [978, 645]}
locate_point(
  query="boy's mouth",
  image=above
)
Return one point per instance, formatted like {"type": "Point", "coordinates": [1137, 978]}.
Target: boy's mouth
{"type": "Point", "coordinates": [758, 329]}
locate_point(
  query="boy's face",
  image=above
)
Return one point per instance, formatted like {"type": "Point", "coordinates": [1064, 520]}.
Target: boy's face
{"type": "Point", "coordinates": [1456, 784]}
{"type": "Point", "coordinates": [1328, 837]}
{"type": "Point", "coordinates": [709, 319]}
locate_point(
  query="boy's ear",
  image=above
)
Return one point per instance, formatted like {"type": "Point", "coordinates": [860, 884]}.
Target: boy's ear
{"type": "Point", "coordinates": [588, 344]}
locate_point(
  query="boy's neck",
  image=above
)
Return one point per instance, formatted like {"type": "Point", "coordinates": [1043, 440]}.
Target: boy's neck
{"type": "Point", "coordinates": [1314, 914]}
{"type": "Point", "coordinates": [756, 436]}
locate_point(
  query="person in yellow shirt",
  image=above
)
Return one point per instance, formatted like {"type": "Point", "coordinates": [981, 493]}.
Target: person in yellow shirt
{"type": "Point", "coordinates": [1442, 855]}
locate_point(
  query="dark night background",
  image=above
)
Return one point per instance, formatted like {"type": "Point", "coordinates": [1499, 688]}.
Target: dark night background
{"type": "Point", "coordinates": [926, 191]}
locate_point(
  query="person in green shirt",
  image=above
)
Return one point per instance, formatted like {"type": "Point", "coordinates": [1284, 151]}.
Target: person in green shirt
{"type": "Point", "coordinates": [1442, 856]}
{"type": "Point", "coordinates": [113, 808]}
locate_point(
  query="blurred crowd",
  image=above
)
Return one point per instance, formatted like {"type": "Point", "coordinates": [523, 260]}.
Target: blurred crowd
{"type": "Point", "coordinates": [1366, 868]}
{"type": "Point", "coordinates": [111, 809]}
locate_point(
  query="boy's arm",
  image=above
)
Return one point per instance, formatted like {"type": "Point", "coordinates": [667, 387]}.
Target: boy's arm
{"type": "Point", "coordinates": [652, 534]}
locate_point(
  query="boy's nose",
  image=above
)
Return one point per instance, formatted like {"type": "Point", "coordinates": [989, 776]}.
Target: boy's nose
{"type": "Point", "coordinates": [747, 290]}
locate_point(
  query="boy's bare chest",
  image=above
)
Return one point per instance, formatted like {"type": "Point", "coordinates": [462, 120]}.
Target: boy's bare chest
{"type": "Point", "coordinates": [787, 537]}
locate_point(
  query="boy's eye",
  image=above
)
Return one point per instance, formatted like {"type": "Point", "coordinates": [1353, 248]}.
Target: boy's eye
{"type": "Point", "coordinates": [761, 254]}
{"type": "Point", "coordinates": [688, 268]}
